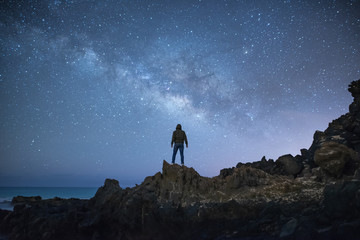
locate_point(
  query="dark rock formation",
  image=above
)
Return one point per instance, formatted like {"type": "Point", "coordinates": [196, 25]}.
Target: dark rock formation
{"type": "Point", "coordinates": [43, 219]}
{"type": "Point", "coordinates": [21, 199]}
{"type": "Point", "coordinates": [177, 203]}
{"type": "Point", "coordinates": [314, 195]}
{"type": "Point", "coordinates": [342, 199]}
{"type": "Point", "coordinates": [267, 166]}
{"type": "Point", "coordinates": [109, 191]}
{"type": "Point", "coordinates": [286, 165]}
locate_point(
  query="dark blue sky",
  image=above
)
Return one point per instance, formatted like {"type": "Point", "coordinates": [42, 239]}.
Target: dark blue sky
{"type": "Point", "coordinates": [93, 89]}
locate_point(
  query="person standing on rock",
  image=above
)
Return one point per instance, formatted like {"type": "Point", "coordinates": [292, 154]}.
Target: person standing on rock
{"type": "Point", "coordinates": [178, 137]}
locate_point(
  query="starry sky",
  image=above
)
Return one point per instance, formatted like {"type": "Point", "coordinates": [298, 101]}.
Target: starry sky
{"type": "Point", "coordinates": [93, 89]}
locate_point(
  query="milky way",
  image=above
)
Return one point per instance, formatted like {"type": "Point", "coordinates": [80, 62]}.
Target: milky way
{"type": "Point", "coordinates": [93, 89]}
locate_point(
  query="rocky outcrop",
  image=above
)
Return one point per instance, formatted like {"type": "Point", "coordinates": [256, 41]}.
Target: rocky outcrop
{"type": "Point", "coordinates": [344, 130]}
{"type": "Point", "coordinates": [111, 190]}
{"type": "Point", "coordinates": [333, 158]}
{"type": "Point", "coordinates": [177, 203]}
{"type": "Point", "coordinates": [286, 165]}
{"type": "Point", "coordinates": [314, 195]}
{"type": "Point", "coordinates": [336, 150]}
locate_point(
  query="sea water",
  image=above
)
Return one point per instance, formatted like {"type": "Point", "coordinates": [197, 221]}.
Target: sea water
{"type": "Point", "coordinates": [7, 193]}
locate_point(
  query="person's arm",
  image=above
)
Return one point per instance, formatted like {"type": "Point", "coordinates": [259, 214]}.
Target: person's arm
{"type": "Point", "coordinates": [186, 142]}
{"type": "Point", "coordinates": [173, 139]}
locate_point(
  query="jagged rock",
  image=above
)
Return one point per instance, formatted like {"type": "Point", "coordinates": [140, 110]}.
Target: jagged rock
{"type": "Point", "coordinates": [264, 165]}
{"type": "Point", "coordinates": [354, 108]}
{"type": "Point", "coordinates": [226, 172]}
{"type": "Point", "coordinates": [304, 154]}
{"type": "Point", "coordinates": [332, 157]}
{"type": "Point", "coordinates": [284, 165]}
{"type": "Point", "coordinates": [178, 173]}
{"type": "Point", "coordinates": [110, 190]}
{"type": "Point", "coordinates": [354, 89]}
{"type": "Point", "coordinates": [318, 139]}
{"type": "Point", "coordinates": [184, 185]}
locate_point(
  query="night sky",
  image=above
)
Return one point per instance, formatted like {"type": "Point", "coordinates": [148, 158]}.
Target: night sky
{"type": "Point", "coordinates": [93, 89]}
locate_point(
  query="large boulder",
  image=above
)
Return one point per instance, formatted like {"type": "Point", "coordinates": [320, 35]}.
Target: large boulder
{"type": "Point", "coordinates": [289, 165]}
{"type": "Point", "coordinates": [332, 157]}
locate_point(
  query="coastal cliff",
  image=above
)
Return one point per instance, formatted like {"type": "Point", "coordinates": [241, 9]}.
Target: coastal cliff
{"type": "Point", "coordinates": [315, 195]}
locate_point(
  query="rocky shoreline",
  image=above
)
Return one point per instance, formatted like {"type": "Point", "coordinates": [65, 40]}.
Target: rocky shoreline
{"type": "Point", "coordinates": [315, 195]}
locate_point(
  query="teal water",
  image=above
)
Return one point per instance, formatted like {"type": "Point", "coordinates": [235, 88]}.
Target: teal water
{"type": "Point", "coordinates": [7, 193]}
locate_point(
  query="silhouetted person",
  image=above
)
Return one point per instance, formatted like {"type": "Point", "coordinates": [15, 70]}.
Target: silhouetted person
{"type": "Point", "coordinates": [178, 137]}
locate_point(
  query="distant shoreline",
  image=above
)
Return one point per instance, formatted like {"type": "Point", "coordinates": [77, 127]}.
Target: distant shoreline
{"type": "Point", "coordinates": [8, 193]}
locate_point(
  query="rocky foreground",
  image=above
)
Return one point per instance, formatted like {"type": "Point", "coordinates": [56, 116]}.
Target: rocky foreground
{"type": "Point", "coordinates": [315, 195]}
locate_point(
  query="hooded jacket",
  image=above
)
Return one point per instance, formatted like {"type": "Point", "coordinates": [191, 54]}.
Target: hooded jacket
{"type": "Point", "coordinates": [179, 136]}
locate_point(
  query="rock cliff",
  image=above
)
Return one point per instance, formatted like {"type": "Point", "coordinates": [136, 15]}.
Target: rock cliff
{"type": "Point", "coordinates": [315, 195]}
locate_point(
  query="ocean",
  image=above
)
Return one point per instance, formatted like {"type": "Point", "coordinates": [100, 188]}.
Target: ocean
{"type": "Point", "coordinates": [7, 193]}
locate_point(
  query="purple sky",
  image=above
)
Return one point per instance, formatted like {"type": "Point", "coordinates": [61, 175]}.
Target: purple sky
{"type": "Point", "coordinates": [93, 89]}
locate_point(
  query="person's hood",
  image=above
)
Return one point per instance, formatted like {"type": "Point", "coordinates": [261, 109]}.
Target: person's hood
{"type": "Point", "coordinates": [178, 127]}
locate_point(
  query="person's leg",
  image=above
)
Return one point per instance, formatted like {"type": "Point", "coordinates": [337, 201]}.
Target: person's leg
{"type": "Point", "coordinates": [174, 153]}
{"type": "Point", "coordinates": [181, 147]}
